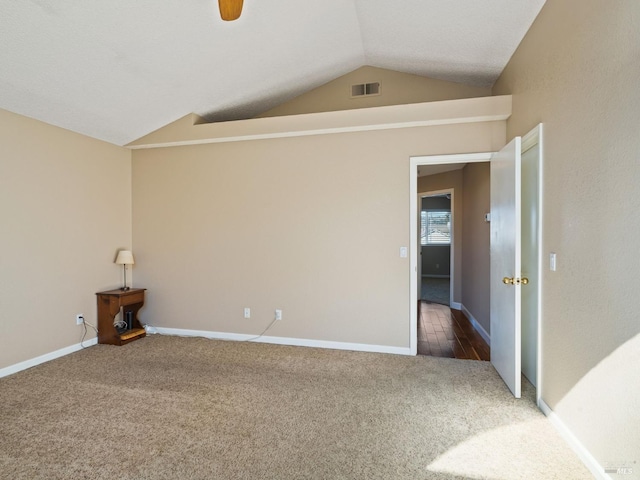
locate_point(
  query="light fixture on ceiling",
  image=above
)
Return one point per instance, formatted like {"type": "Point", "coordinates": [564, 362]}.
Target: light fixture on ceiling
{"type": "Point", "coordinates": [230, 9]}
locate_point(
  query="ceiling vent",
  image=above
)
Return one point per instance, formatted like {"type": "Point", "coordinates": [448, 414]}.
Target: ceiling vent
{"type": "Point", "coordinates": [365, 89]}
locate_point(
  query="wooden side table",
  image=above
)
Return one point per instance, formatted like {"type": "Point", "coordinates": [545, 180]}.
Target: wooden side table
{"type": "Point", "coordinates": [109, 305]}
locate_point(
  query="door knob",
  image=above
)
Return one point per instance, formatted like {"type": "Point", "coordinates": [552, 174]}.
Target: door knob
{"type": "Point", "coordinates": [515, 281]}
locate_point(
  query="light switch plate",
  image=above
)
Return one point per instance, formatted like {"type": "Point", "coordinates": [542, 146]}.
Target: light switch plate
{"type": "Point", "coordinates": [552, 262]}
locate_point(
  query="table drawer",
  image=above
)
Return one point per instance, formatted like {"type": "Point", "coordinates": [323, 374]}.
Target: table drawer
{"type": "Point", "coordinates": [137, 297]}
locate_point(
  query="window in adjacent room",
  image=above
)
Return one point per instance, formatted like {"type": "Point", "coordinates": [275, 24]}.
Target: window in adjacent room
{"type": "Point", "coordinates": [435, 228]}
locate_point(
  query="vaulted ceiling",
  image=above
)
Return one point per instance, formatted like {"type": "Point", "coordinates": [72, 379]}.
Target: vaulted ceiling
{"type": "Point", "coordinates": [118, 69]}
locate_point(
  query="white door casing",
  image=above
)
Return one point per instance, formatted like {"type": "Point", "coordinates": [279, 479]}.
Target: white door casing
{"type": "Point", "coordinates": [533, 259]}
{"type": "Point", "coordinates": [530, 270]}
{"type": "Point", "coordinates": [414, 227]}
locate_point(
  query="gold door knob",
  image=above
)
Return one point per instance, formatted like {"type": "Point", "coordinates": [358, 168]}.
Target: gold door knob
{"type": "Point", "coordinates": [524, 280]}
{"type": "Point", "coordinates": [508, 281]}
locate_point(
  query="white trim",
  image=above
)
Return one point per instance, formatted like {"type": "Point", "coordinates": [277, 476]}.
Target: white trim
{"type": "Point", "coordinates": [585, 456]}
{"type": "Point", "coordinates": [476, 324]}
{"type": "Point", "coordinates": [456, 305]}
{"type": "Point", "coordinates": [531, 139]}
{"type": "Point", "coordinates": [414, 257]}
{"type": "Point", "coordinates": [46, 357]}
{"type": "Point", "coordinates": [450, 159]}
{"type": "Point", "coordinates": [448, 112]}
{"type": "Point", "coordinates": [298, 342]}
{"type": "Point", "coordinates": [413, 227]}
{"type": "Point", "coordinates": [320, 131]}
{"type": "Point", "coordinates": [540, 140]}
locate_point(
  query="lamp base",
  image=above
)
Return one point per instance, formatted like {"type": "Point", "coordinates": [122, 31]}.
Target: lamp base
{"type": "Point", "coordinates": [124, 289]}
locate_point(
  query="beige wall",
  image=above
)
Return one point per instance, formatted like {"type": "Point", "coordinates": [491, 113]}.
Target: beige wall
{"type": "Point", "coordinates": [396, 88]}
{"type": "Point", "coordinates": [312, 225]}
{"type": "Point", "coordinates": [447, 181]}
{"type": "Point", "coordinates": [476, 187]}
{"type": "Point", "coordinates": [65, 205]}
{"type": "Point", "coordinates": [577, 71]}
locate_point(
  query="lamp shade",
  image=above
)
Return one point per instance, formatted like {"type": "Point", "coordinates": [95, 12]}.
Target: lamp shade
{"type": "Point", "coordinates": [125, 257]}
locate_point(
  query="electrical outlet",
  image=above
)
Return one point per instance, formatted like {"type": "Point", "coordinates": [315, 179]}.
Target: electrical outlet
{"type": "Point", "coordinates": [278, 314]}
{"type": "Point", "coordinates": [247, 312]}
{"type": "Point", "coordinates": [79, 319]}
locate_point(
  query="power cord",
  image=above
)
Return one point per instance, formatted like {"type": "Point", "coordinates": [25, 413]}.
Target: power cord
{"type": "Point", "coordinates": [153, 330]}
{"type": "Point", "coordinates": [120, 324]}
{"type": "Point", "coordinates": [148, 326]}
{"type": "Point", "coordinates": [263, 332]}
{"type": "Point", "coordinates": [150, 329]}
{"type": "Point", "coordinates": [86, 324]}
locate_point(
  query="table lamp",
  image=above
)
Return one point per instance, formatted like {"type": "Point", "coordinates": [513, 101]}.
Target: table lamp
{"type": "Point", "coordinates": [124, 258]}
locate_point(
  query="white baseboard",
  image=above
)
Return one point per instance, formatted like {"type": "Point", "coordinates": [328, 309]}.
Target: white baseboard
{"type": "Point", "coordinates": [476, 324]}
{"type": "Point", "coordinates": [456, 305]}
{"type": "Point", "coordinates": [46, 357]}
{"type": "Point", "coordinates": [298, 342]}
{"type": "Point", "coordinates": [590, 462]}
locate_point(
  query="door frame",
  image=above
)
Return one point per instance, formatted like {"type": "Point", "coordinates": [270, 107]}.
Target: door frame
{"type": "Point", "coordinates": [414, 162]}
{"type": "Point", "coordinates": [533, 139]}
{"type": "Point", "coordinates": [529, 140]}
{"type": "Point", "coordinates": [421, 195]}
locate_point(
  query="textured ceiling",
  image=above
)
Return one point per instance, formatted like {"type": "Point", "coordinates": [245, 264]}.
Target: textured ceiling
{"type": "Point", "coordinates": [119, 69]}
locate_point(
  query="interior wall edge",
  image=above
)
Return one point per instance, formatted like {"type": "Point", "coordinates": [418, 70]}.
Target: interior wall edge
{"type": "Point", "coordinates": [576, 445]}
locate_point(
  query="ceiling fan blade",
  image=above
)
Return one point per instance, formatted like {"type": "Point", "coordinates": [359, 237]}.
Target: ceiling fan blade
{"type": "Point", "coordinates": [230, 9]}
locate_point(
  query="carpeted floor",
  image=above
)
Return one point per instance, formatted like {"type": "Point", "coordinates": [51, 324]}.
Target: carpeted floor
{"type": "Point", "coordinates": [190, 408]}
{"type": "Point", "coordinates": [436, 290]}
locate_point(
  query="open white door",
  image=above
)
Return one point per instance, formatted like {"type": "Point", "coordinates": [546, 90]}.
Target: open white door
{"type": "Point", "coordinates": [506, 264]}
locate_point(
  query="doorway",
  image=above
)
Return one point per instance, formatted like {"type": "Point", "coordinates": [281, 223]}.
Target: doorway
{"type": "Point", "coordinates": [531, 208]}
{"type": "Point", "coordinates": [446, 332]}
{"type": "Point", "coordinates": [437, 160]}
{"type": "Point", "coordinates": [444, 325]}
{"type": "Point", "coordinates": [437, 246]}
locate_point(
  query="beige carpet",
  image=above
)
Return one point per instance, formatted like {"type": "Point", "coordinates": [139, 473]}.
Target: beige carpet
{"type": "Point", "coordinates": [174, 408]}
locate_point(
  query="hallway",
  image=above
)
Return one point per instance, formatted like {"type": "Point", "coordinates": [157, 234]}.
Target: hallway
{"type": "Point", "coordinates": [444, 332]}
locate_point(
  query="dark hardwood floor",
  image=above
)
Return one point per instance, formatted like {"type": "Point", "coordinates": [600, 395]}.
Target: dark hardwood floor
{"type": "Point", "coordinates": [445, 332]}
